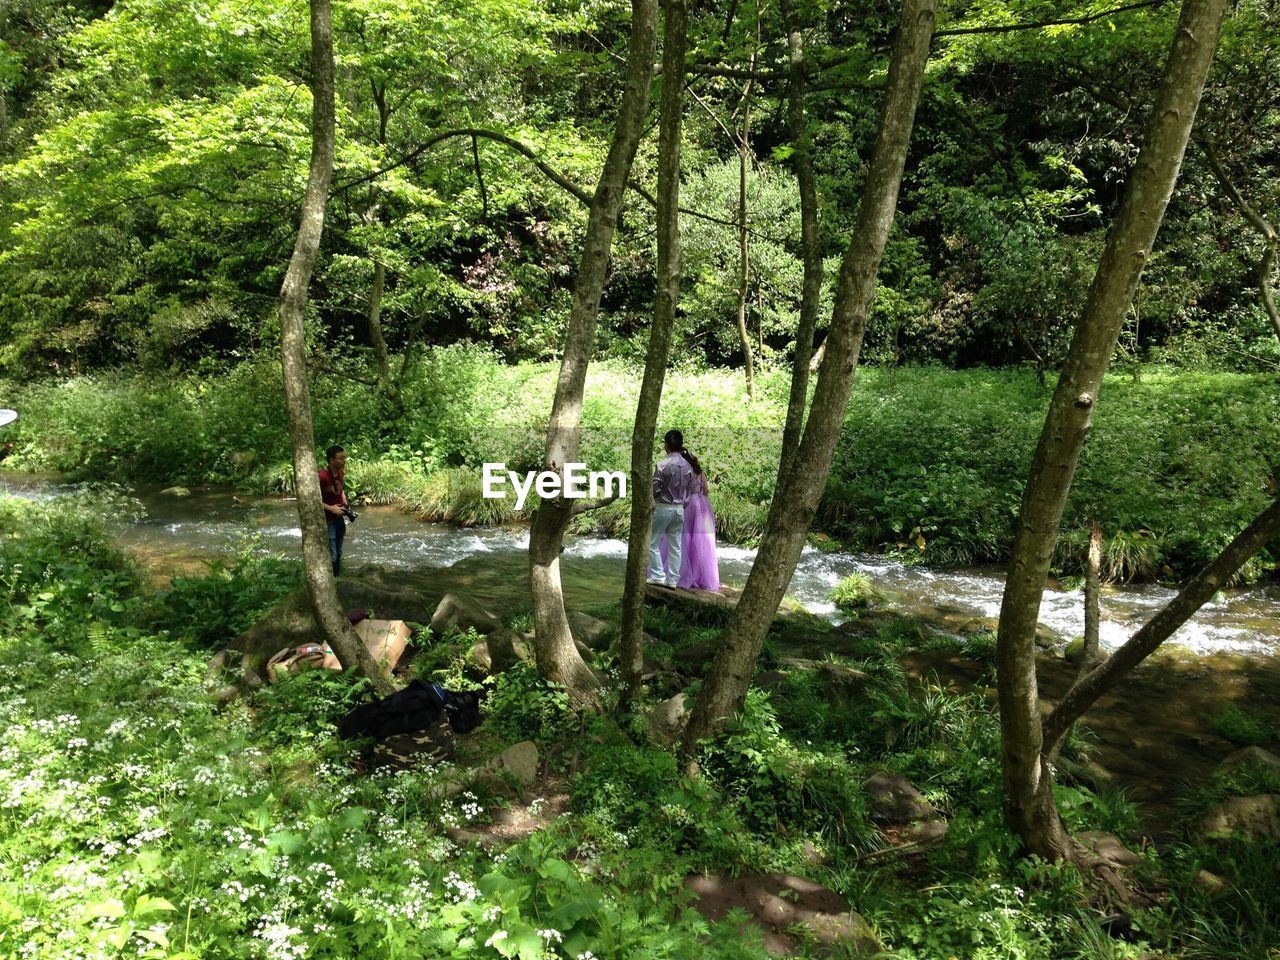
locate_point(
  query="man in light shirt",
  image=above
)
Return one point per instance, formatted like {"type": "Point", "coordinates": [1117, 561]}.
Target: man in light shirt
{"type": "Point", "coordinates": [673, 483]}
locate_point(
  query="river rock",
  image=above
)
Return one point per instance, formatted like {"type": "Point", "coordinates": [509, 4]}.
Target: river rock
{"type": "Point", "coordinates": [786, 909]}
{"type": "Point", "coordinates": [519, 761]}
{"type": "Point", "coordinates": [499, 651]}
{"type": "Point", "coordinates": [588, 630]}
{"type": "Point", "coordinates": [175, 491]}
{"type": "Point", "coordinates": [1209, 883]}
{"type": "Point", "coordinates": [1106, 849]}
{"type": "Point", "coordinates": [665, 721]}
{"type": "Point", "coordinates": [1255, 818]}
{"type": "Point", "coordinates": [894, 799]}
{"type": "Point", "coordinates": [243, 460]}
{"type": "Point", "coordinates": [1255, 757]}
{"type": "Point", "coordinates": [461, 613]}
{"type": "Point", "coordinates": [1074, 652]}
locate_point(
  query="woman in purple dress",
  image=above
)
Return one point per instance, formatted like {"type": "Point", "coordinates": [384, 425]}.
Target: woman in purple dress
{"type": "Point", "coordinates": [698, 569]}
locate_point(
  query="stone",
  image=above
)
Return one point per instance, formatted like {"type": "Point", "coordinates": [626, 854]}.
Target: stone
{"type": "Point", "coordinates": [894, 799]}
{"type": "Point", "coordinates": [1107, 850]}
{"type": "Point", "coordinates": [696, 655]}
{"type": "Point", "coordinates": [1255, 818]}
{"type": "Point", "coordinates": [461, 613]}
{"type": "Point", "coordinates": [500, 651]}
{"type": "Point", "coordinates": [589, 631]}
{"type": "Point", "coordinates": [769, 680]}
{"type": "Point", "coordinates": [519, 761]}
{"type": "Point", "coordinates": [243, 460]}
{"type": "Point", "coordinates": [925, 831]}
{"type": "Point", "coordinates": [665, 721]}
{"type": "Point", "coordinates": [1255, 757]}
{"type": "Point", "coordinates": [1209, 883]}
{"type": "Point", "coordinates": [175, 491]}
{"type": "Point", "coordinates": [1074, 652]}
{"type": "Point", "coordinates": [489, 781]}
{"type": "Point", "coordinates": [787, 909]}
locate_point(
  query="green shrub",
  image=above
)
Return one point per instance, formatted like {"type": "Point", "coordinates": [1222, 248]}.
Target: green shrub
{"type": "Point", "coordinates": [1242, 727]}
{"type": "Point", "coordinates": [852, 593]}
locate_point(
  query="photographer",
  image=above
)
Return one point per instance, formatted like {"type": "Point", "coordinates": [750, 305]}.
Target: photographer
{"type": "Point", "coordinates": [334, 496]}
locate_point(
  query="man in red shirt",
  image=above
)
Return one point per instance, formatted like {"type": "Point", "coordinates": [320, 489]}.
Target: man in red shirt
{"type": "Point", "coordinates": [334, 495]}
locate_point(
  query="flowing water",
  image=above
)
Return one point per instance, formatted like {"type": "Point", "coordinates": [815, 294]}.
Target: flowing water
{"type": "Point", "coordinates": [490, 564]}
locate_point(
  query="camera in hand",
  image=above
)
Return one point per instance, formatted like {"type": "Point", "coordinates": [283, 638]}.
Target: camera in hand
{"type": "Point", "coordinates": [349, 515]}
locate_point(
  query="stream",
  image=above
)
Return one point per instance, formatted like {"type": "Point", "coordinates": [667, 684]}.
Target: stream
{"type": "Point", "coordinates": [490, 564]}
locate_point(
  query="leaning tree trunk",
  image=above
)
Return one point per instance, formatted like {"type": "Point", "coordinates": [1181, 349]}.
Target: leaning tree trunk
{"type": "Point", "coordinates": [811, 253]}
{"type": "Point", "coordinates": [659, 350]}
{"type": "Point", "coordinates": [558, 658]}
{"type": "Point", "coordinates": [1028, 783]}
{"type": "Point", "coordinates": [317, 567]}
{"type": "Point", "coordinates": [793, 508]}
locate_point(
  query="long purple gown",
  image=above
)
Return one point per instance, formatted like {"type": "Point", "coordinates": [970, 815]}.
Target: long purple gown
{"type": "Point", "coordinates": [698, 570]}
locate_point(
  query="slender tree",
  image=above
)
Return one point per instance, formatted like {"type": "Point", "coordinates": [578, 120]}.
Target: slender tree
{"type": "Point", "coordinates": [558, 658]}
{"type": "Point", "coordinates": [1028, 781]}
{"type": "Point", "coordinates": [671, 113]}
{"type": "Point", "coordinates": [794, 506]}
{"type": "Point", "coordinates": [318, 572]}
{"type": "Point", "coordinates": [810, 248]}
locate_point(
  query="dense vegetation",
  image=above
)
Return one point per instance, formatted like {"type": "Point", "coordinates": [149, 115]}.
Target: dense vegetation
{"type": "Point", "coordinates": [930, 466]}
{"type": "Point", "coordinates": [143, 820]}
{"type": "Point", "coordinates": [152, 153]}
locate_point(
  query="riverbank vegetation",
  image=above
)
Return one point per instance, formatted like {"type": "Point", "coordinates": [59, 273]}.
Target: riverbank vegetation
{"type": "Point", "coordinates": [145, 819]}
{"type": "Point", "coordinates": [929, 466]}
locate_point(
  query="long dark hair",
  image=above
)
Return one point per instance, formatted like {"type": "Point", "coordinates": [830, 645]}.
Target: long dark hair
{"type": "Point", "coordinates": [674, 441]}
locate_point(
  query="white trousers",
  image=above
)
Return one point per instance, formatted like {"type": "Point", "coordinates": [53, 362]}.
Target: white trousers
{"type": "Point", "coordinates": [668, 521]}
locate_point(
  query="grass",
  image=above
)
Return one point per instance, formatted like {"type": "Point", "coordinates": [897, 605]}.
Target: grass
{"type": "Point", "coordinates": [930, 464]}
{"type": "Point", "coordinates": [144, 820]}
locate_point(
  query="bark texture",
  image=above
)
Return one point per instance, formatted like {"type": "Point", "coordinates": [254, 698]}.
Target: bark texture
{"type": "Point", "coordinates": [1092, 601]}
{"type": "Point", "coordinates": [792, 510]}
{"type": "Point", "coordinates": [1027, 776]}
{"type": "Point", "coordinates": [318, 572]}
{"type": "Point", "coordinates": [810, 250]}
{"type": "Point", "coordinates": [659, 349]}
{"type": "Point", "coordinates": [375, 323]}
{"type": "Point", "coordinates": [558, 658]}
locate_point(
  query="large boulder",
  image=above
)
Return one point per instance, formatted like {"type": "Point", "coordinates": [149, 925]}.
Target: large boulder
{"type": "Point", "coordinates": [499, 651]}
{"type": "Point", "coordinates": [290, 622]}
{"type": "Point", "coordinates": [588, 631]}
{"type": "Point", "coordinates": [895, 802]}
{"type": "Point", "coordinates": [520, 762]}
{"type": "Point", "coordinates": [1261, 760]}
{"type": "Point", "coordinates": [787, 910]}
{"type": "Point", "coordinates": [1254, 818]}
{"type": "Point", "coordinates": [665, 721]}
{"type": "Point", "coordinates": [462, 613]}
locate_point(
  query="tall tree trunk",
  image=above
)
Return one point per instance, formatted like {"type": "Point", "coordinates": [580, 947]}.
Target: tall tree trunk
{"type": "Point", "coordinates": [375, 324]}
{"type": "Point", "coordinates": [744, 240]}
{"type": "Point", "coordinates": [558, 658]}
{"type": "Point", "coordinates": [810, 251]}
{"type": "Point", "coordinates": [1270, 239]}
{"type": "Point", "coordinates": [659, 350]}
{"type": "Point", "coordinates": [1090, 652]}
{"type": "Point", "coordinates": [1027, 775]}
{"type": "Point", "coordinates": [318, 571]}
{"type": "Point", "coordinates": [793, 509]}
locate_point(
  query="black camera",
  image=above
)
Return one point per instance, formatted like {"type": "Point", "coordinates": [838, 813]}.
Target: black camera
{"type": "Point", "coordinates": [349, 515]}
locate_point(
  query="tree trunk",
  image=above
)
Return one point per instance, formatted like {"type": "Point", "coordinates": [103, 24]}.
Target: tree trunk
{"type": "Point", "coordinates": [293, 298]}
{"type": "Point", "coordinates": [375, 324]}
{"type": "Point", "coordinates": [1027, 780]}
{"type": "Point", "coordinates": [1198, 591]}
{"type": "Point", "coordinates": [1089, 653]}
{"type": "Point", "coordinates": [558, 658]}
{"type": "Point", "coordinates": [811, 253]}
{"type": "Point", "coordinates": [659, 349]}
{"type": "Point", "coordinates": [793, 509]}
{"type": "Point", "coordinates": [744, 244]}
{"type": "Point", "coordinates": [1270, 239]}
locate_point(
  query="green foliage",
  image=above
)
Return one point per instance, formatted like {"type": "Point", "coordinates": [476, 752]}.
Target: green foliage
{"type": "Point", "coordinates": [523, 706]}
{"type": "Point", "coordinates": [852, 593]}
{"type": "Point", "coordinates": [210, 610]}
{"type": "Point", "coordinates": [1243, 727]}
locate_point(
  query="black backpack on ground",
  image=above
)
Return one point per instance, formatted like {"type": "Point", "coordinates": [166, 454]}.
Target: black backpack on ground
{"type": "Point", "coordinates": [416, 707]}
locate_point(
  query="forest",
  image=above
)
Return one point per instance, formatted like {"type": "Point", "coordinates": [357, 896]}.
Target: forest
{"type": "Point", "coordinates": [938, 344]}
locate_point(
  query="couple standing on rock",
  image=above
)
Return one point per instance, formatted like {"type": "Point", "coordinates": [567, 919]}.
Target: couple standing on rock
{"type": "Point", "coordinates": [682, 539]}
